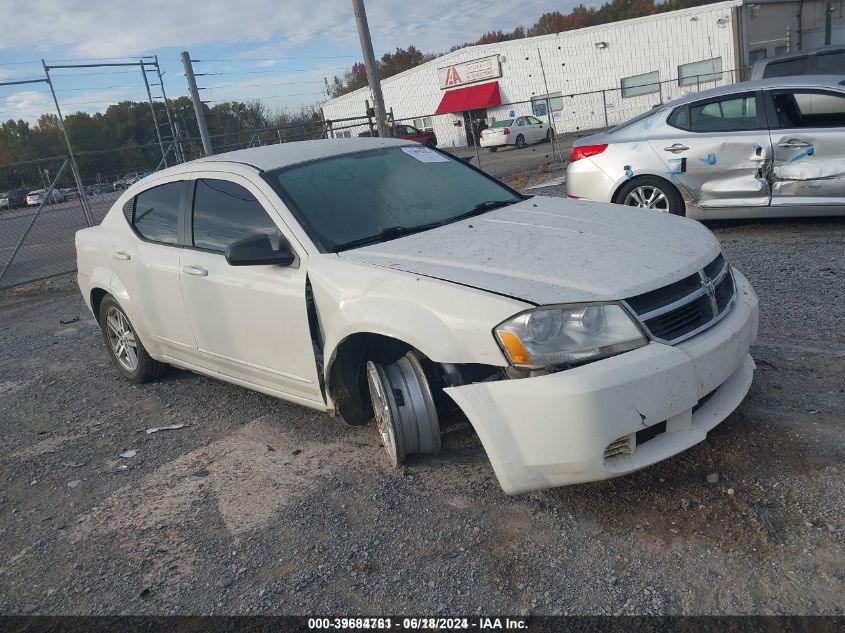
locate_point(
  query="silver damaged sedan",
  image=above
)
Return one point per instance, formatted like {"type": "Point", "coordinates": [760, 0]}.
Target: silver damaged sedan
{"type": "Point", "coordinates": [768, 148]}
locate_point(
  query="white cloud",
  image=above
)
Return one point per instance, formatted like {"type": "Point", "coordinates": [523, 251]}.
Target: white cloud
{"type": "Point", "coordinates": [115, 28]}
{"type": "Point", "coordinates": [29, 104]}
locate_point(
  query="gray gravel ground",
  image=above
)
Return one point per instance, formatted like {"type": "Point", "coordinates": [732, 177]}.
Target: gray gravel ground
{"type": "Point", "coordinates": [260, 506]}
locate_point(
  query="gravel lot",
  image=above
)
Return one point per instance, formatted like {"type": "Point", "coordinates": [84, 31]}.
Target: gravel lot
{"type": "Point", "coordinates": [260, 506]}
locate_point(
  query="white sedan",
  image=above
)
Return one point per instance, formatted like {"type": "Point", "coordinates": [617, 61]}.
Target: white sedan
{"type": "Point", "coordinates": [378, 279]}
{"type": "Point", "coordinates": [34, 198]}
{"type": "Point", "coordinates": [518, 132]}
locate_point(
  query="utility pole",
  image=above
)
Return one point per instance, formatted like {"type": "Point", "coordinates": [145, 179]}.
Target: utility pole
{"type": "Point", "coordinates": [370, 63]}
{"type": "Point", "coordinates": [153, 112]}
{"type": "Point", "coordinates": [195, 97]}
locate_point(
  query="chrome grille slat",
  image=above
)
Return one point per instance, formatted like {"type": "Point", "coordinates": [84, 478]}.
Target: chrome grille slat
{"type": "Point", "coordinates": [701, 306]}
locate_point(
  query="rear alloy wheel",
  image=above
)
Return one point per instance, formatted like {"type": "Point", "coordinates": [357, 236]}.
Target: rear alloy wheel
{"type": "Point", "coordinates": [651, 193]}
{"type": "Point", "coordinates": [520, 142]}
{"type": "Point", "coordinates": [125, 348]}
{"type": "Point", "coordinates": [403, 407]}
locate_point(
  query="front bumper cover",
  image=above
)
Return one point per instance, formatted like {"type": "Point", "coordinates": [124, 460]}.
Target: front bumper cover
{"type": "Point", "coordinates": [553, 430]}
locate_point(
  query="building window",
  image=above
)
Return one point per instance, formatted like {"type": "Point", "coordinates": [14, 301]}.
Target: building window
{"type": "Point", "coordinates": [756, 55]}
{"type": "Point", "coordinates": [644, 84]}
{"type": "Point", "coordinates": [781, 50]}
{"type": "Point", "coordinates": [424, 123]}
{"type": "Point", "coordinates": [700, 72]}
{"type": "Point", "coordinates": [540, 103]}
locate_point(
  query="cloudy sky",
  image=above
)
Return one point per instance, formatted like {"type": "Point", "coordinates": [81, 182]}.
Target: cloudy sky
{"type": "Point", "coordinates": [278, 52]}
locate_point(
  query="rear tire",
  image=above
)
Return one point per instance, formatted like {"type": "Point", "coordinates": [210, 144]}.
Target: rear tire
{"type": "Point", "coordinates": [520, 142]}
{"type": "Point", "coordinates": [651, 192]}
{"type": "Point", "coordinates": [125, 348]}
{"type": "Point", "coordinates": [492, 149]}
{"type": "Point", "coordinates": [431, 143]}
{"type": "Point", "coordinates": [549, 136]}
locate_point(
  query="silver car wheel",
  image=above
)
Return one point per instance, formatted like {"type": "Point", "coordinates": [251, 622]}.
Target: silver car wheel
{"type": "Point", "coordinates": [404, 409]}
{"type": "Point", "coordinates": [647, 197]}
{"type": "Point", "coordinates": [124, 346]}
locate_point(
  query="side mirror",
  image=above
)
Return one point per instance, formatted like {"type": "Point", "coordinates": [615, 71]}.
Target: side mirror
{"type": "Point", "coordinates": [257, 250]}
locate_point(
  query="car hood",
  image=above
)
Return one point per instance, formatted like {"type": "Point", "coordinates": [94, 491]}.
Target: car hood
{"type": "Point", "coordinates": [553, 250]}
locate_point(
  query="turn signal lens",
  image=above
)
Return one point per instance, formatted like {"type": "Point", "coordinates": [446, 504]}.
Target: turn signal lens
{"type": "Point", "coordinates": [578, 153]}
{"type": "Point", "coordinates": [513, 346]}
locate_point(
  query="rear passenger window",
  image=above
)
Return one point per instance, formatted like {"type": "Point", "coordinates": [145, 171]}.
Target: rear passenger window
{"type": "Point", "coordinates": [726, 115]}
{"type": "Point", "coordinates": [156, 213]}
{"type": "Point", "coordinates": [787, 68]}
{"type": "Point", "coordinates": [225, 212]}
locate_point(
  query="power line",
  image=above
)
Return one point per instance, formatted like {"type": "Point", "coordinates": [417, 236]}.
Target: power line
{"type": "Point", "coordinates": [273, 59]}
{"type": "Point", "coordinates": [299, 94]}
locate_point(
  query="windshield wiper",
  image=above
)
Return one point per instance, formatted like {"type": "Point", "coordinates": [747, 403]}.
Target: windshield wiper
{"type": "Point", "coordinates": [390, 233]}
{"type": "Point", "coordinates": [394, 232]}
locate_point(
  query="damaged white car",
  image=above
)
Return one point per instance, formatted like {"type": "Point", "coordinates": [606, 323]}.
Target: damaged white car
{"type": "Point", "coordinates": [768, 148]}
{"type": "Point", "coordinates": [378, 279]}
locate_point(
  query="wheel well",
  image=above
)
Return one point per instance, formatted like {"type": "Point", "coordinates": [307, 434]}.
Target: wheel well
{"type": "Point", "coordinates": [97, 296]}
{"type": "Point", "coordinates": [615, 196]}
{"type": "Point", "coordinates": [347, 374]}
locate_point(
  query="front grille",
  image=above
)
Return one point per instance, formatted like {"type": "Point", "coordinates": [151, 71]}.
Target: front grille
{"type": "Point", "coordinates": [684, 308]}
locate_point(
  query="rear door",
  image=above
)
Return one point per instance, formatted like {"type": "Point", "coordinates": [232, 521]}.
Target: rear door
{"type": "Point", "coordinates": [718, 149]}
{"type": "Point", "coordinates": [808, 136]}
{"type": "Point", "coordinates": [538, 130]}
{"type": "Point", "coordinates": [145, 264]}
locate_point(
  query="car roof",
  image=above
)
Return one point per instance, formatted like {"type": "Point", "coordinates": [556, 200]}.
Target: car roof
{"type": "Point", "coordinates": [284, 154]}
{"type": "Point", "coordinates": [798, 81]}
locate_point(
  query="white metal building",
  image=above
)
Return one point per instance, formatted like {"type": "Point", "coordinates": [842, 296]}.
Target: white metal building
{"type": "Point", "coordinates": [638, 62]}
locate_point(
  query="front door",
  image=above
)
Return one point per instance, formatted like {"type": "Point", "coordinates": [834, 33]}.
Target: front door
{"type": "Point", "coordinates": [250, 322]}
{"type": "Point", "coordinates": [721, 153]}
{"type": "Point", "coordinates": [808, 136]}
{"type": "Point", "coordinates": [474, 122]}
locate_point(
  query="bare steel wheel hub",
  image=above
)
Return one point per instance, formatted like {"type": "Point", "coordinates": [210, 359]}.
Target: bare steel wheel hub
{"type": "Point", "coordinates": [647, 197]}
{"type": "Point", "coordinates": [122, 339]}
{"type": "Point", "coordinates": [404, 409]}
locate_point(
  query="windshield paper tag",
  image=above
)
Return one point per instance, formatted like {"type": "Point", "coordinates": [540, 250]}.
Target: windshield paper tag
{"type": "Point", "coordinates": [425, 155]}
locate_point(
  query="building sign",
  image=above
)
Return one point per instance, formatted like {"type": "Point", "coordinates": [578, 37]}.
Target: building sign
{"type": "Point", "coordinates": [469, 72]}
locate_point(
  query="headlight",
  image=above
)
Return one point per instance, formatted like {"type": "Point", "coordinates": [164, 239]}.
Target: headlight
{"type": "Point", "coordinates": [561, 335]}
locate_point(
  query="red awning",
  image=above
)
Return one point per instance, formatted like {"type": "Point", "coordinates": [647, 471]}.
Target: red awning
{"type": "Point", "coordinates": [470, 98]}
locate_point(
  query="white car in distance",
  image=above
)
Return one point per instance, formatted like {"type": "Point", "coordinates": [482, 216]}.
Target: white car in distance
{"type": "Point", "coordinates": [519, 132]}
{"type": "Point", "coordinates": [378, 279]}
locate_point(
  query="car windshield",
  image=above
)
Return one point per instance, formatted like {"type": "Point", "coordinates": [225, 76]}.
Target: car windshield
{"type": "Point", "coordinates": [503, 123]}
{"type": "Point", "coordinates": [373, 196]}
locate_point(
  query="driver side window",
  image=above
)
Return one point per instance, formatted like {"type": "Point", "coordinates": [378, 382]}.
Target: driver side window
{"type": "Point", "coordinates": [225, 212]}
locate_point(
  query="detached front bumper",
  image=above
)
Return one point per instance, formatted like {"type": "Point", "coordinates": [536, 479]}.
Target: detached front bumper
{"type": "Point", "coordinates": [617, 415]}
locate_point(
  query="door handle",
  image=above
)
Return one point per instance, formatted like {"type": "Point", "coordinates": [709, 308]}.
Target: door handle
{"type": "Point", "coordinates": [794, 143]}
{"type": "Point", "coordinates": [122, 255]}
{"type": "Point", "coordinates": [677, 148]}
{"type": "Point", "coordinates": [196, 271]}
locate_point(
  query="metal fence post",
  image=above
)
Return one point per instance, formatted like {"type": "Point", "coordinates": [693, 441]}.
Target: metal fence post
{"type": "Point", "coordinates": [86, 208]}
{"type": "Point", "coordinates": [153, 112]}
{"type": "Point", "coordinates": [178, 149]}
{"type": "Point", "coordinates": [548, 106]}
{"type": "Point", "coordinates": [604, 107]}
